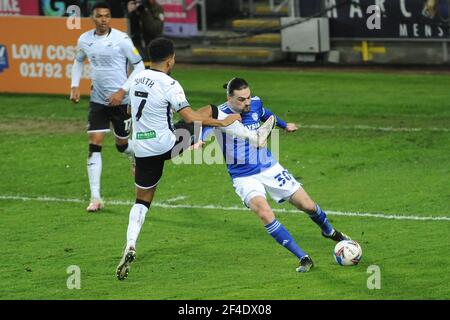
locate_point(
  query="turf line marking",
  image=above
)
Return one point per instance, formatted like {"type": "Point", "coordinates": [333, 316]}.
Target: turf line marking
{"type": "Point", "coordinates": [234, 208]}
{"type": "Point", "coordinates": [175, 199]}
{"type": "Point", "coordinates": [363, 127]}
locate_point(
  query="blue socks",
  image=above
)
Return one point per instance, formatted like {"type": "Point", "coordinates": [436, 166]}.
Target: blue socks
{"type": "Point", "coordinates": [320, 218]}
{"type": "Point", "coordinates": [283, 237]}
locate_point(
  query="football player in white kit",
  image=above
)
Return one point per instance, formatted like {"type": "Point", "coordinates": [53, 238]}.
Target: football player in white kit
{"type": "Point", "coordinates": [255, 172]}
{"type": "Point", "coordinates": [109, 52]}
{"type": "Point", "coordinates": [154, 95]}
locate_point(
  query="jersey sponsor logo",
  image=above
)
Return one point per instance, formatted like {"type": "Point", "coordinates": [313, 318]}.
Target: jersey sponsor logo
{"type": "Point", "coordinates": [141, 94]}
{"type": "Point", "coordinates": [253, 126]}
{"type": "Point", "coordinates": [146, 135]}
{"type": "Point", "coordinates": [135, 51]}
{"type": "Point", "coordinates": [3, 58]}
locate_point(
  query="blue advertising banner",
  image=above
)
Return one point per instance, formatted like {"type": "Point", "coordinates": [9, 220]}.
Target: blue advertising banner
{"type": "Point", "coordinates": [3, 58]}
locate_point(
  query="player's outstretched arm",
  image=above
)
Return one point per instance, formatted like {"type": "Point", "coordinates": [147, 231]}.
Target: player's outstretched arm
{"type": "Point", "coordinates": [236, 128]}
{"type": "Point", "coordinates": [257, 138]}
{"type": "Point", "coordinates": [288, 127]}
{"type": "Point", "coordinates": [291, 127]}
{"type": "Point", "coordinates": [190, 116]}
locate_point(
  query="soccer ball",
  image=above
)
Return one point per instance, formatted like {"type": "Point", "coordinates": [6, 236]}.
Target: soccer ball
{"type": "Point", "coordinates": [347, 253]}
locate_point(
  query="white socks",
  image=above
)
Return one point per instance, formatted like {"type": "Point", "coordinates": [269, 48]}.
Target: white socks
{"type": "Point", "coordinates": [137, 218]}
{"type": "Point", "coordinates": [94, 168]}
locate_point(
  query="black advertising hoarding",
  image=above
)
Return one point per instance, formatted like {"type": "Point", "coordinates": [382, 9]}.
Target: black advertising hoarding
{"type": "Point", "coordinates": [400, 19]}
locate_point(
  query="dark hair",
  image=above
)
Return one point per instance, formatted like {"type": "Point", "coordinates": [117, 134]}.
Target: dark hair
{"type": "Point", "coordinates": [235, 84]}
{"type": "Point", "coordinates": [160, 49]}
{"type": "Point", "coordinates": [101, 5]}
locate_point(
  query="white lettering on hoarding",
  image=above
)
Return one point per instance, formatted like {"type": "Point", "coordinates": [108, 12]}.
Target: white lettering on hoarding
{"type": "Point", "coordinates": [36, 52]}
{"type": "Point", "coordinates": [380, 4]}
{"type": "Point", "coordinates": [171, 2]}
{"type": "Point", "coordinates": [42, 65]}
{"type": "Point", "coordinates": [27, 51]}
{"type": "Point", "coordinates": [405, 12]}
{"type": "Point", "coordinates": [333, 13]}
{"type": "Point", "coordinates": [355, 9]}
{"type": "Point", "coordinates": [61, 52]}
{"type": "Point", "coordinates": [403, 30]}
{"type": "Point", "coordinates": [10, 6]}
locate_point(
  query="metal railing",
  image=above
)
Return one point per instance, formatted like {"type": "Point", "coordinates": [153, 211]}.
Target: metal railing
{"type": "Point", "coordinates": [276, 6]}
{"type": "Point", "coordinates": [202, 4]}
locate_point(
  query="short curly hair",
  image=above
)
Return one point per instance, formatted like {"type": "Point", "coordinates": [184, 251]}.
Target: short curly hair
{"type": "Point", "coordinates": [160, 49]}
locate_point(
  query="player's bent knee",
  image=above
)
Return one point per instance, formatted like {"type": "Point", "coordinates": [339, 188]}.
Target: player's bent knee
{"type": "Point", "coordinates": [303, 202]}
{"type": "Point", "coordinates": [309, 207]}
{"type": "Point", "coordinates": [122, 147]}
{"type": "Point", "coordinates": [266, 215]}
{"type": "Point", "coordinates": [260, 206]}
{"type": "Point", "coordinates": [145, 194]}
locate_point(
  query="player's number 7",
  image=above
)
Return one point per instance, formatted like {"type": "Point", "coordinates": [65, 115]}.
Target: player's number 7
{"type": "Point", "coordinates": [141, 107]}
{"type": "Point", "coordinates": [144, 95]}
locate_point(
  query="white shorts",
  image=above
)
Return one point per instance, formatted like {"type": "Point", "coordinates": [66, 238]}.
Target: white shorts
{"type": "Point", "coordinates": [277, 181]}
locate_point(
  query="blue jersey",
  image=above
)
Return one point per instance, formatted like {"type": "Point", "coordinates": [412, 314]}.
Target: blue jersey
{"type": "Point", "coordinates": [242, 158]}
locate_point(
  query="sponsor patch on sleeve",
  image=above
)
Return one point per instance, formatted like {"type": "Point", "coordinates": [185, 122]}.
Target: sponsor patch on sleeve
{"type": "Point", "coordinates": [180, 97]}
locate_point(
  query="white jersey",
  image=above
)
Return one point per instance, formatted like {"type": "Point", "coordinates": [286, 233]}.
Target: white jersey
{"type": "Point", "coordinates": [108, 57]}
{"type": "Point", "coordinates": [153, 97]}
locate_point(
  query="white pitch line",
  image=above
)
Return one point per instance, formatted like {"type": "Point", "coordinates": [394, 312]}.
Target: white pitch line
{"type": "Point", "coordinates": [363, 127]}
{"type": "Point", "coordinates": [175, 199]}
{"type": "Point", "coordinates": [234, 208]}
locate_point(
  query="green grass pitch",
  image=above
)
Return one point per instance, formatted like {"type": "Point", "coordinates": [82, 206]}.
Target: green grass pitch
{"type": "Point", "coordinates": [351, 156]}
